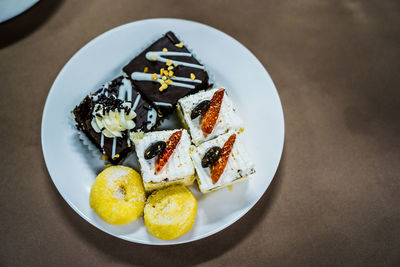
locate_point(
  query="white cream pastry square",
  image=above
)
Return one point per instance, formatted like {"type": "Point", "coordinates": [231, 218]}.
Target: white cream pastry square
{"type": "Point", "coordinates": [179, 165]}
{"type": "Point", "coordinates": [227, 118]}
{"type": "Point", "coordinates": [238, 166]}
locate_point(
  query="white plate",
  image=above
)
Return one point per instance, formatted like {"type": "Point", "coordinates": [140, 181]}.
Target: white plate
{"type": "Point", "coordinates": [73, 169]}
{"type": "Point", "coordinates": [12, 8]}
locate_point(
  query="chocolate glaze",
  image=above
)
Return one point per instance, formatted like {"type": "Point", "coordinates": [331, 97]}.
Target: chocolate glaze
{"type": "Point", "coordinates": [83, 117]}
{"type": "Point", "coordinates": [173, 93]}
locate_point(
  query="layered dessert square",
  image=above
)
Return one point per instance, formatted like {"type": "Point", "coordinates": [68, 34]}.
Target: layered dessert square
{"type": "Point", "coordinates": [221, 162]}
{"type": "Point", "coordinates": [164, 158]}
{"type": "Point", "coordinates": [108, 117]}
{"type": "Point", "coordinates": [165, 72]}
{"type": "Point", "coordinates": [208, 114]}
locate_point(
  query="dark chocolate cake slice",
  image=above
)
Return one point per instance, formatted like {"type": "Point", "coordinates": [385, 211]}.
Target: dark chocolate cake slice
{"type": "Point", "coordinates": [111, 114]}
{"type": "Point", "coordinates": [165, 72]}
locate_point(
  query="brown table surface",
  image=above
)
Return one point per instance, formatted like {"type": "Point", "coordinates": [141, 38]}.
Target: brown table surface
{"type": "Point", "coordinates": [335, 199]}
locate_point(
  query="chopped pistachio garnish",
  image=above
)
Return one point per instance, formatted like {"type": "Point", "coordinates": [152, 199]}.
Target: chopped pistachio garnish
{"type": "Point", "coordinates": [161, 71]}
{"type": "Point", "coordinates": [165, 72]}
{"type": "Point", "coordinates": [163, 87]}
{"type": "Point", "coordinates": [136, 135]}
{"type": "Point", "coordinates": [169, 63]}
{"type": "Point", "coordinates": [168, 81]}
{"type": "Point", "coordinates": [170, 73]}
{"type": "Point", "coordinates": [180, 45]}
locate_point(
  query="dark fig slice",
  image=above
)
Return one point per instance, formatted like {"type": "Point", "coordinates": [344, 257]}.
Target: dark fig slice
{"type": "Point", "coordinates": [211, 156]}
{"type": "Point", "coordinates": [154, 149]}
{"type": "Point", "coordinates": [200, 109]}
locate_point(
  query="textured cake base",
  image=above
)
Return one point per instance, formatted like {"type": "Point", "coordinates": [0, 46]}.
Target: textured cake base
{"type": "Point", "coordinates": [186, 181]}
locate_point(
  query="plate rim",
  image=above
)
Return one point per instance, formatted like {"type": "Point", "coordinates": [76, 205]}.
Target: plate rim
{"type": "Point", "coordinates": [16, 12]}
{"type": "Point", "coordinates": [169, 242]}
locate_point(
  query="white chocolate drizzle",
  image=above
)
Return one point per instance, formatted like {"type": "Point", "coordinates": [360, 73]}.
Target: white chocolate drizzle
{"type": "Point", "coordinates": [125, 91]}
{"type": "Point", "coordinates": [114, 147]}
{"type": "Point", "coordinates": [164, 104]}
{"type": "Point", "coordinates": [159, 56]}
{"type": "Point", "coordinates": [141, 76]}
{"type": "Point", "coordinates": [136, 102]}
{"type": "Point", "coordinates": [102, 140]}
{"type": "Point", "coordinates": [133, 108]}
{"type": "Point", "coordinates": [151, 118]}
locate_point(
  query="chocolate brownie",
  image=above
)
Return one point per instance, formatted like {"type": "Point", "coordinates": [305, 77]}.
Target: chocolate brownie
{"type": "Point", "coordinates": [116, 98]}
{"type": "Point", "coordinates": [165, 72]}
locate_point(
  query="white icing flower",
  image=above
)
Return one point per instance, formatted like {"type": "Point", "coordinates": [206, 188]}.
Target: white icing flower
{"type": "Point", "coordinates": [114, 122]}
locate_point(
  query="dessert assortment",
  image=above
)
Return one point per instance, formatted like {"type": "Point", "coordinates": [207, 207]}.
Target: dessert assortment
{"type": "Point", "coordinates": [123, 115]}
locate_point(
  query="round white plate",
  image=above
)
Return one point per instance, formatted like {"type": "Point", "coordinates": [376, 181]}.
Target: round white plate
{"type": "Point", "coordinates": [12, 8]}
{"type": "Point", "coordinates": [73, 168]}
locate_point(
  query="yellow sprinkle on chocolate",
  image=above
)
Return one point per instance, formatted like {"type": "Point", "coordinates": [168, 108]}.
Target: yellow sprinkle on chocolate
{"type": "Point", "coordinates": [165, 50]}
{"type": "Point", "coordinates": [161, 71]}
{"type": "Point", "coordinates": [192, 76]}
{"type": "Point", "coordinates": [175, 65]}
{"type": "Point", "coordinates": [116, 156]}
{"type": "Point", "coordinates": [180, 45]}
{"type": "Point", "coordinates": [165, 72]}
{"type": "Point", "coordinates": [164, 78]}
{"type": "Point", "coordinates": [154, 76]}
{"type": "Point", "coordinates": [163, 87]}
{"type": "Point", "coordinates": [168, 81]}
{"type": "Point", "coordinates": [170, 73]}
{"type": "Point", "coordinates": [107, 165]}
{"type": "Point", "coordinates": [169, 63]}
{"type": "Point", "coordinates": [170, 67]}
{"type": "Point", "coordinates": [104, 157]}
{"type": "Point", "coordinates": [146, 69]}
{"type": "Point", "coordinates": [154, 58]}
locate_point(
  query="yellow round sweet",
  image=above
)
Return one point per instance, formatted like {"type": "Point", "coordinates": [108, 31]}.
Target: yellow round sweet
{"type": "Point", "coordinates": [169, 213]}
{"type": "Point", "coordinates": [117, 195]}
